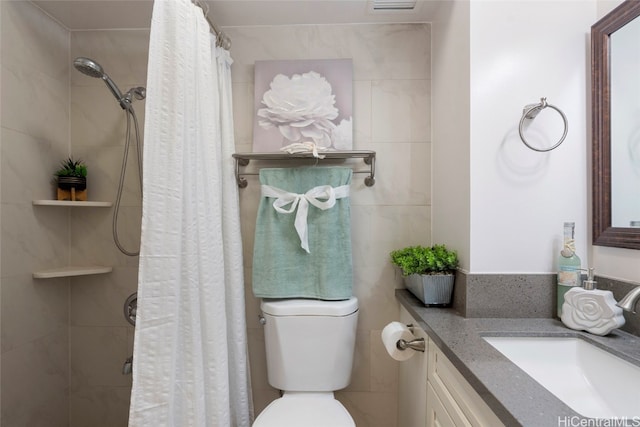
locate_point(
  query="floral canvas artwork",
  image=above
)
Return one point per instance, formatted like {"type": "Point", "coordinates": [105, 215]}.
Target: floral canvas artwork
{"type": "Point", "coordinates": [303, 101]}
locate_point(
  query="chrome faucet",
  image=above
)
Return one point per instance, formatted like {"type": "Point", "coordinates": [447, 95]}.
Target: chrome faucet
{"type": "Point", "coordinates": [629, 302]}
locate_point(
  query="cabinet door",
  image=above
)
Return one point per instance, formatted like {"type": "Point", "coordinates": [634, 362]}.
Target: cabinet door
{"type": "Point", "coordinates": [437, 415]}
{"type": "Point", "coordinates": [462, 402]}
{"type": "Point", "coordinates": [412, 390]}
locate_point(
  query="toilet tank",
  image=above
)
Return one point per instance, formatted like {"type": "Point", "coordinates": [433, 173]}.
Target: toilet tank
{"type": "Point", "coordinates": [309, 343]}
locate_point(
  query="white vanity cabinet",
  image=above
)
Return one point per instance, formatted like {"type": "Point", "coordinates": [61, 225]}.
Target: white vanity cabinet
{"type": "Point", "coordinates": [463, 405]}
{"type": "Point", "coordinates": [432, 392]}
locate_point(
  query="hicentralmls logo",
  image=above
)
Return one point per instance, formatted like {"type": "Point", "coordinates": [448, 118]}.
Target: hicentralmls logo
{"type": "Point", "coordinates": [576, 421]}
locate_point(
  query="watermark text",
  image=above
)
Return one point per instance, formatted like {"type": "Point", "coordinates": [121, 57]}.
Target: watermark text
{"type": "Point", "coordinates": [576, 421]}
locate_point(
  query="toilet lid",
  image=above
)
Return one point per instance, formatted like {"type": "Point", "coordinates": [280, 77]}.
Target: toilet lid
{"type": "Point", "coordinates": [304, 412]}
{"type": "Point", "coordinates": [309, 307]}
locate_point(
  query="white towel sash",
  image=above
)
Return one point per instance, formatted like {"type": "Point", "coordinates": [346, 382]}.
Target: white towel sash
{"type": "Point", "coordinates": [315, 196]}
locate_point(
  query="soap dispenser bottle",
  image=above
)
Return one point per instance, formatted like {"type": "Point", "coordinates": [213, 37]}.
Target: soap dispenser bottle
{"type": "Point", "coordinates": [568, 266]}
{"type": "Point", "coordinates": [590, 309]}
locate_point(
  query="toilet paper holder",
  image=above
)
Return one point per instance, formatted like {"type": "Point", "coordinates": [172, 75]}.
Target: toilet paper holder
{"type": "Point", "coordinates": [416, 344]}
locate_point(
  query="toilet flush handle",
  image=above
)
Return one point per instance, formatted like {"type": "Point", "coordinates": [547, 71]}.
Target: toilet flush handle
{"type": "Point", "coordinates": [261, 319]}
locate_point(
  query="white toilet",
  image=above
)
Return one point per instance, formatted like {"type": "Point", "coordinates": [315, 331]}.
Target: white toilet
{"type": "Point", "coordinates": [310, 346]}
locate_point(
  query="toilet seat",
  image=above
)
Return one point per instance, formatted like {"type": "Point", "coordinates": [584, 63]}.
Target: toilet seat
{"type": "Point", "coordinates": [305, 410]}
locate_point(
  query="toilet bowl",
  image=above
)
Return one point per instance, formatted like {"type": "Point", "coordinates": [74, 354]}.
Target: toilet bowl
{"type": "Point", "coordinates": [309, 347]}
{"type": "Point", "coordinates": [305, 410]}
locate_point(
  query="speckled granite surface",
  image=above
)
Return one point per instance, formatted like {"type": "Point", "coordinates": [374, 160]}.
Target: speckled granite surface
{"type": "Point", "coordinates": [505, 295]}
{"type": "Point", "coordinates": [515, 397]}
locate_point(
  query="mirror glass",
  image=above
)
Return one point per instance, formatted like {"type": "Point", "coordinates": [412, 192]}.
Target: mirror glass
{"type": "Point", "coordinates": [625, 125]}
{"type": "Point", "coordinates": [615, 97]}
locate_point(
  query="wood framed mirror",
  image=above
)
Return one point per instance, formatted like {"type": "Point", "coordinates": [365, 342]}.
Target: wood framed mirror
{"type": "Point", "coordinates": [606, 230]}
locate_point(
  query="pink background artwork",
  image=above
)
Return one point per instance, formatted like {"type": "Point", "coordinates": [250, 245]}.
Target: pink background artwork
{"type": "Point", "coordinates": [301, 101]}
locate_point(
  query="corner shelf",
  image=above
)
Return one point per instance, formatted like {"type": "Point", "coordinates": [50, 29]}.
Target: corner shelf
{"type": "Point", "coordinates": [71, 272]}
{"type": "Point", "coordinates": [369, 157]}
{"type": "Point", "coordinates": [87, 204]}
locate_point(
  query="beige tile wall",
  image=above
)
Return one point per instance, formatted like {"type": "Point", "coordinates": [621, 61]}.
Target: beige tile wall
{"type": "Point", "coordinates": [391, 116]}
{"type": "Point", "coordinates": [101, 339]}
{"type": "Point", "coordinates": [34, 138]}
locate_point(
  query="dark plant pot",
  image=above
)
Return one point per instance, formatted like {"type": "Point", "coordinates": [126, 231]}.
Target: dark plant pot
{"type": "Point", "coordinates": [69, 182]}
{"type": "Point", "coordinates": [431, 289]}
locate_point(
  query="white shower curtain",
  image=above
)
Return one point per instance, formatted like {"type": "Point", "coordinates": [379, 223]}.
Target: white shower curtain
{"type": "Point", "coordinates": [190, 351]}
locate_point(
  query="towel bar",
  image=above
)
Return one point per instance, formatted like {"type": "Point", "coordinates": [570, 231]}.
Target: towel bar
{"type": "Point", "coordinates": [369, 157]}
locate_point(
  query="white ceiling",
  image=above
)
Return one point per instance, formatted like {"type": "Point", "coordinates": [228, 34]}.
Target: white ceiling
{"type": "Point", "coordinates": [112, 14]}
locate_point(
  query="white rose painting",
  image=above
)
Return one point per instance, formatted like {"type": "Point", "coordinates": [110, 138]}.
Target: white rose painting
{"type": "Point", "coordinates": [303, 101]}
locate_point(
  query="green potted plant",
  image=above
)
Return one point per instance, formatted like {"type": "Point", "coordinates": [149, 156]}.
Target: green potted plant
{"type": "Point", "coordinates": [72, 180]}
{"type": "Point", "coordinates": [428, 272]}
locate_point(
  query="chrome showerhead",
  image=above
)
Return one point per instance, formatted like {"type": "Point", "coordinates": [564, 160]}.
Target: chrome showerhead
{"type": "Point", "coordinates": [89, 67]}
{"type": "Point", "coordinates": [92, 69]}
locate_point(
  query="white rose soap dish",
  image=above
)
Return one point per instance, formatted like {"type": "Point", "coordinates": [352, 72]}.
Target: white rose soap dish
{"type": "Point", "coordinates": [590, 309]}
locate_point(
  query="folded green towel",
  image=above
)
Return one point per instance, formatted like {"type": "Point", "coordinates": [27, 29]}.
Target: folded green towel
{"type": "Point", "coordinates": [282, 266]}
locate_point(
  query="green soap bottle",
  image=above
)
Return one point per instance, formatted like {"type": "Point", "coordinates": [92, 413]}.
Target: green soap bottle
{"type": "Point", "coordinates": [568, 265]}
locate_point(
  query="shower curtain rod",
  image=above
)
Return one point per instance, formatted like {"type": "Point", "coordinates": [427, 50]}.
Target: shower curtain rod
{"type": "Point", "coordinates": [222, 39]}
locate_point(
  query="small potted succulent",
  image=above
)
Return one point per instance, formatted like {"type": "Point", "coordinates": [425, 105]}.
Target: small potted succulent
{"type": "Point", "coordinates": [72, 180]}
{"type": "Point", "coordinates": [428, 272]}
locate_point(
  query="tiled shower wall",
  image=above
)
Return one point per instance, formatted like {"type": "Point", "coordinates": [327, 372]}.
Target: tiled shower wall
{"type": "Point", "coordinates": [101, 339]}
{"type": "Point", "coordinates": [391, 116]}
{"type": "Point", "coordinates": [35, 137]}
{"type": "Point", "coordinates": [391, 102]}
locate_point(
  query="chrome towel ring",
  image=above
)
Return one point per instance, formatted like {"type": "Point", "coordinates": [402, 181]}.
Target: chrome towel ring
{"type": "Point", "coordinates": [530, 112]}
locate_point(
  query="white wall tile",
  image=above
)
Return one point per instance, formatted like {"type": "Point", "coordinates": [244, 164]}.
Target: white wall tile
{"type": "Point", "coordinates": [402, 173]}
{"type": "Point", "coordinates": [34, 41]}
{"type": "Point", "coordinates": [33, 238]}
{"type": "Point", "coordinates": [99, 407]}
{"type": "Point", "coordinates": [98, 300]}
{"type": "Point", "coordinates": [361, 114]}
{"type": "Point", "coordinates": [28, 165]}
{"type": "Point", "coordinates": [97, 355]}
{"type": "Point", "coordinates": [252, 44]}
{"type": "Point", "coordinates": [252, 304]}
{"type": "Point", "coordinates": [92, 237]}
{"type": "Point", "coordinates": [376, 231]}
{"type": "Point", "coordinates": [401, 111]}
{"type": "Point", "coordinates": [35, 378]}
{"type": "Point", "coordinates": [379, 52]}
{"type": "Point", "coordinates": [243, 96]}
{"type": "Point", "coordinates": [32, 309]}
{"type": "Point", "coordinates": [384, 369]}
{"type": "Point", "coordinates": [361, 374]}
{"type": "Point", "coordinates": [35, 137]}
{"type": "Point", "coordinates": [104, 166]}
{"type": "Point", "coordinates": [97, 120]}
{"type": "Point", "coordinates": [34, 103]}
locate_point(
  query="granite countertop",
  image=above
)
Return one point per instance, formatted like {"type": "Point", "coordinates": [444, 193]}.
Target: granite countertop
{"type": "Point", "coordinates": [515, 397]}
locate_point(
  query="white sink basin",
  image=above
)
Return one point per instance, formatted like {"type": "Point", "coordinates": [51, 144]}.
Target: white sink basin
{"type": "Point", "coordinates": [590, 380]}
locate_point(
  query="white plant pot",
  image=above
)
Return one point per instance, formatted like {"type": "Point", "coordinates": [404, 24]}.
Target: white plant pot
{"type": "Point", "coordinates": [431, 289]}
